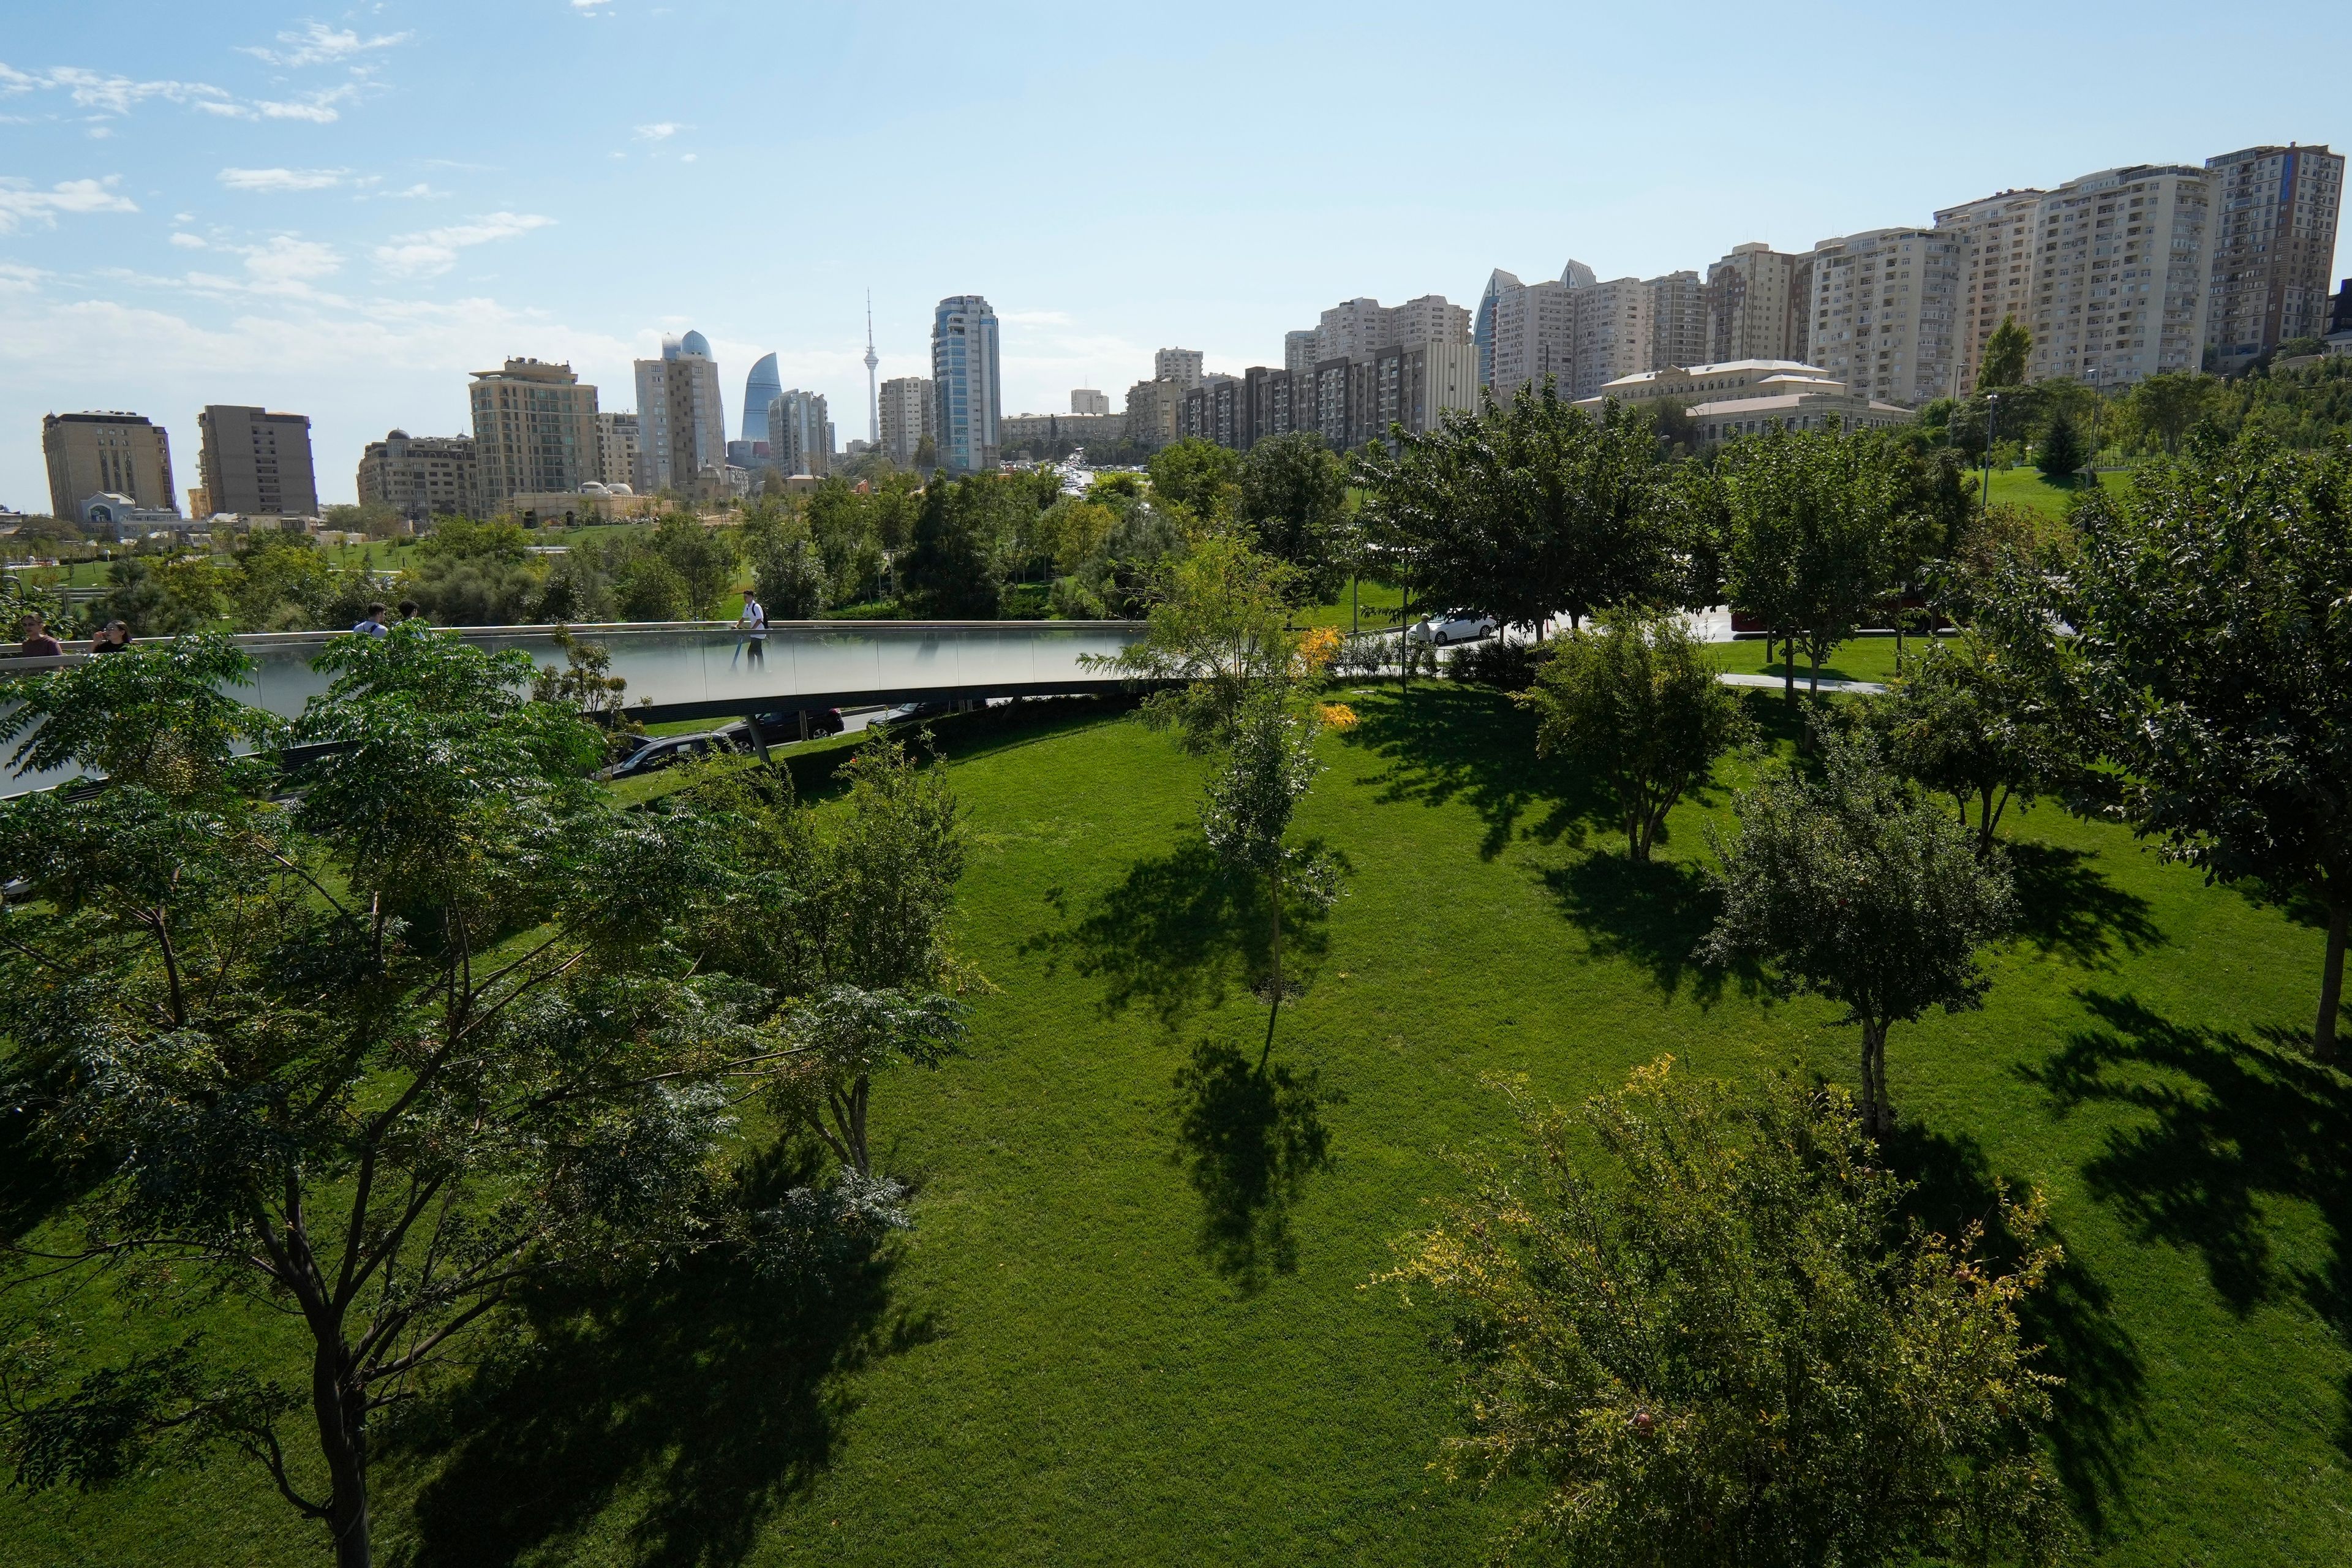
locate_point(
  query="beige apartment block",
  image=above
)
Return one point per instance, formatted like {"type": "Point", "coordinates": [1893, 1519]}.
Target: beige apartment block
{"type": "Point", "coordinates": [1678, 320]}
{"type": "Point", "coordinates": [1534, 337]}
{"type": "Point", "coordinates": [1757, 303]}
{"type": "Point", "coordinates": [257, 463]}
{"type": "Point", "coordinates": [1298, 350]}
{"type": "Point", "coordinates": [1154, 409]}
{"type": "Point", "coordinates": [681, 418]}
{"type": "Point", "coordinates": [1181, 366]}
{"type": "Point", "coordinates": [2275, 211]}
{"type": "Point", "coordinates": [906, 415]}
{"type": "Point", "coordinates": [106, 452]}
{"type": "Point", "coordinates": [1997, 270]}
{"type": "Point", "coordinates": [1086, 400]}
{"type": "Point", "coordinates": [535, 431]}
{"type": "Point", "coordinates": [420, 477]}
{"type": "Point", "coordinates": [1613, 333]}
{"type": "Point", "coordinates": [616, 450]}
{"type": "Point", "coordinates": [2121, 274]}
{"type": "Point", "coordinates": [1884, 311]}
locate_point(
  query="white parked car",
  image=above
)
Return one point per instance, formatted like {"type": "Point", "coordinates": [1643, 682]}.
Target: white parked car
{"type": "Point", "coordinates": [1461, 625]}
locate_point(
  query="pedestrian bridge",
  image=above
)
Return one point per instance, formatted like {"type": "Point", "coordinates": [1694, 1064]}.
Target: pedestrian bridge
{"type": "Point", "coordinates": [701, 669]}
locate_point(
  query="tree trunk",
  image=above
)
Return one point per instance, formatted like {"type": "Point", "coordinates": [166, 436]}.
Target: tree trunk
{"type": "Point", "coordinates": [1788, 672]}
{"type": "Point", "coordinates": [1876, 1115]}
{"type": "Point", "coordinates": [1813, 658]}
{"type": "Point", "coordinates": [342, 1413]}
{"type": "Point", "coordinates": [1274, 886]}
{"type": "Point", "coordinates": [2331, 984]}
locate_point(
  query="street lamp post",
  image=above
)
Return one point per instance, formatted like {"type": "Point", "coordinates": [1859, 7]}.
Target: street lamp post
{"type": "Point", "coordinates": [1992, 428]}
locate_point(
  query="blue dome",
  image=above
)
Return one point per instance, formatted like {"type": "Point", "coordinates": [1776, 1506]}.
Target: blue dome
{"type": "Point", "coordinates": [695, 343]}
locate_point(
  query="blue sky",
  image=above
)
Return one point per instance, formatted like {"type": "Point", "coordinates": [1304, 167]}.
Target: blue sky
{"type": "Point", "coordinates": [342, 212]}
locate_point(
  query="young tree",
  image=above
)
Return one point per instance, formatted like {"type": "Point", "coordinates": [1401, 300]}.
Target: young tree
{"type": "Point", "coordinates": [2210, 597]}
{"type": "Point", "coordinates": [787, 572]}
{"type": "Point", "coordinates": [949, 571]}
{"type": "Point", "coordinates": [1218, 626]}
{"type": "Point", "coordinates": [1815, 526]}
{"type": "Point", "coordinates": [1855, 888]}
{"type": "Point", "coordinates": [703, 558]}
{"type": "Point", "coordinates": [376, 1063]}
{"type": "Point", "coordinates": [1197, 480]}
{"type": "Point", "coordinates": [1270, 765]}
{"type": "Point", "coordinates": [2167, 405]}
{"type": "Point", "coordinates": [1984, 719]}
{"type": "Point", "coordinates": [1294, 496]}
{"type": "Point", "coordinates": [2061, 454]}
{"type": "Point", "coordinates": [1716, 1343]}
{"type": "Point", "coordinates": [2005, 354]}
{"type": "Point", "coordinates": [1636, 703]}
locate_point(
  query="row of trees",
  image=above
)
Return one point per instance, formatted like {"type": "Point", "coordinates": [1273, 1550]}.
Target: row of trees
{"type": "Point", "coordinates": [444, 1031]}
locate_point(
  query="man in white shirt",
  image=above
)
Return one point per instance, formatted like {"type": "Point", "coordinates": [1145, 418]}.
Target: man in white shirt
{"type": "Point", "coordinates": [755, 627]}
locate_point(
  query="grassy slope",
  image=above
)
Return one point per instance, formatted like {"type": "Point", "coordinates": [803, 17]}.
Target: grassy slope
{"type": "Point", "coordinates": [2026, 486]}
{"type": "Point", "coordinates": [1106, 1344]}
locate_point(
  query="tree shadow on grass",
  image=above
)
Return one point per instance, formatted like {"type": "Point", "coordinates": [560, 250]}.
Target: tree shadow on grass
{"type": "Point", "coordinates": [1179, 932]}
{"type": "Point", "coordinates": [1446, 742]}
{"type": "Point", "coordinates": [2065, 905]}
{"type": "Point", "coordinates": [2227, 1128]}
{"type": "Point", "coordinates": [713, 1396]}
{"type": "Point", "coordinates": [1248, 1134]}
{"type": "Point", "coordinates": [1653, 914]}
{"type": "Point", "coordinates": [2099, 1408]}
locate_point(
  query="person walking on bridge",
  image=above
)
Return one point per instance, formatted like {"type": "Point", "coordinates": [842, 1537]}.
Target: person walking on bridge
{"type": "Point", "coordinates": [753, 624]}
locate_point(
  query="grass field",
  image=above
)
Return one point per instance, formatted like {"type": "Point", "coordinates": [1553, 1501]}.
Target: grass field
{"type": "Point", "coordinates": [2026, 486]}
{"type": "Point", "coordinates": [1132, 1325]}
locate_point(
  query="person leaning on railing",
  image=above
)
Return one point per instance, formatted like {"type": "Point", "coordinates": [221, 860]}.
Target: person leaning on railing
{"type": "Point", "coordinates": [34, 639]}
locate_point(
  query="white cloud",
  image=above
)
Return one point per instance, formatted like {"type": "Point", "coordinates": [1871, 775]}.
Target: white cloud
{"type": "Point", "coordinates": [281, 179]}
{"type": "Point", "coordinates": [589, 6]}
{"type": "Point", "coordinates": [189, 241]}
{"type": "Point", "coordinates": [20, 203]}
{"type": "Point", "coordinates": [662, 131]}
{"type": "Point", "coordinates": [318, 44]}
{"type": "Point", "coordinates": [286, 259]}
{"type": "Point", "coordinates": [317, 108]}
{"type": "Point", "coordinates": [435, 250]}
{"type": "Point", "coordinates": [107, 94]}
{"type": "Point", "coordinates": [417, 192]}
{"type": "Point", "coordinates": [19, 279]}
{"type": "Point", "coordinates": [690, 158]}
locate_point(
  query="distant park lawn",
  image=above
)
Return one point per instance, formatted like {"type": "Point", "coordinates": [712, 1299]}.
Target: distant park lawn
{"type": "Point", "coordinates": [1130, 1328]}
{"type": "Point", "coordinates": [2026, 486]}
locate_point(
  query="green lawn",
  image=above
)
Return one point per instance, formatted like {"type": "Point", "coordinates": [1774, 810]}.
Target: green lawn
{"type": "Point", "coordinates": [2026, 486]}
{"type": "Point", "coordinates": [1374, 608]}
{"type": "Point", "coordinates": [1123, 1333]}
{"type": "Point", "coordinates": [1863, 658]}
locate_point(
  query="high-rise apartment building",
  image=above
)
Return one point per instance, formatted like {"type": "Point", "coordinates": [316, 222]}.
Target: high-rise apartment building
{"type": "Point", "coordinates": [2274, 215]}
{"type": "Point", "coordinates": [616, 450]}
{"type": "Point", "coordinates": [2000, 234]}
{"type": "Point", "coordinates": [420, 477]}
{"type": "Point", "coordinates": [2122, 262]}
{"type": "Point", "coordinates": [1531, 337]}
{"type": "Point", "coordinates": [1298, 350]}
{"type": "Point", "coordinates": [1153, 410]}
{"type": "Point", "coordinates": [759, 389]}
{"type": "Point", "coordinates": [1612, 333]}
{"type": "Point", "coordinates": [1482, 320]}
{"type": "Point", "coordinates": [967, 393]}
{"type": "Point", "coordinates": [906, 415]}
{"type": "Point", "coordinates": [1086, 400]}
{"type": "Point", "coordinates": [1181, 366]}
{"type": "Point", "coordinates": [682, 419]}
{"type": "Point", "coordinates": [1885, 313]}
{"type": "Point", "coordinates": [107, 453]}
{"type": "Point", "coordinates": [1757, 300]}
{"type": "Point", "coordinates": [1678, 320]}
{"type": "Point", "coordinates": [256, 462]}
{"type": "Point", "coordinates": [1362, 327]}
{"type": "Point", "coordinates": [535, 432]}
{"type": "Point", "coordinates": [799, 438]}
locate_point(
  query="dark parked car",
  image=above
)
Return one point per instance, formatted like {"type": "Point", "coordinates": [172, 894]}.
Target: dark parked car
{"type": "Point", "coordinates": [667, 751]}
{"type": "Point", "coordinates": [780, 726]}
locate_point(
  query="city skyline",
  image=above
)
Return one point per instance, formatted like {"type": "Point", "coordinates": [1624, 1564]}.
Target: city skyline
{"type": "Point", "coordinates": [304, 215]}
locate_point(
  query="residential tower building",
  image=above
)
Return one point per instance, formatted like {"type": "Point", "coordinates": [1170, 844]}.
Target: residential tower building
{"type": "Point", "coordinates": [616, 450]}
{"type": "Point", "coordinates": [2000, 233]}
{"type": "Point", "coordinates": [1154, 412]}
{"type": "Point", "coordinates": [905, 413]}
{"type": "Point", "coordinates": [1086, 400]}
{"type": "Point", "coordinates": [420, 477]}
{"type": "Point", "coordinates": [107, 453]}
{"type": "Point", "coordinates": [967, 391]}
{"type": "Point", "coordinates": [535, 430]}
{"type": "Point", "coordinates": [256, 462]}
{"type": "Point", "coordinates": [682, 419]}
{"type": "Point", "coordinates": [1531, 336]}
{"type": "Point", "coordinates": [2274, 215]}
{"type": "Point", "coordinates": [800, 437]}
{"type": "Point", "coordinates": [1757, 300]}
{"type": "Point", "coordinates": [1181, 366]}
{"type": "Point", "coordinates": [1612, 333]}
{"type": "Point", "coordinates": [1678, 320]}
{"type": "Point", "coordinates": [2121, 276]}
{"type": "Point", "coordinates": [1885, 313]}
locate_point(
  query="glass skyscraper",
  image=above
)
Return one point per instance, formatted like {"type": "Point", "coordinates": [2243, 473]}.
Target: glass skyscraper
{"type": "Point", "coordinates": [762, 387]}
{"type": "Point", "coordinates": [966, 390]}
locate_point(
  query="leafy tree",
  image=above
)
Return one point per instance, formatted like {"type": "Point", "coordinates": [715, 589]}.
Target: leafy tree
{"type": "Point", "coordinates": [703, 559]}
{"type": "Point", "coordinates": [1270, 765]}
{"type": "Point", "coordinates": [475, 573]}
{"type": "Point", "coordinates": [587, 686]}
{"type": "Point", "coordinates": [166, 597]}
{"type": "Point", "coordinates": [279, 582]}
{"type": "Point", "coordinates": [1218, 628]}
{"type": "Point", "coordinates": [2005, 354]}
{"type": "Point", "coordinates": [377, 519]}
{"type": "Point", "coordinates": [1815, 526]}
{"type": "Point", "coordinates": [647, 587]}
{"type": "Point", "coordinates": [1637, 704]}
{"type": "Point", "coordinates": [788, 573]}
{"type": "Point", "coordinates": [949, 571]}
{"type": "Point", "coordinates": [161, 718]}
{"type": "Point", "coordinates": [1525, 511]}
{"type": "Point", "coordinates": [2212, 600]}
{"type": "Point", "coordinates": [1984, 718]}
{"type": "Point", "coordinates": [1198, 479]}
{"type": "Point", "coordinates": [2061, 454]}
{"type": "Point", "coordinates": [1855, 888]}
{"type": "Point", "coordinates": [2167, 405]}
{"type": "Point", "coordinates": [1693, 1319]}
{"type": "Point", "coordinates": [374, 1065]}
{"type": "Point", "coordinates": [1294, 496]}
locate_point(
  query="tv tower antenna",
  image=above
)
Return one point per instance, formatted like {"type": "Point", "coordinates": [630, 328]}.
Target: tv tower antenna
{"type": "Point", "coordinates": [873, 397]}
